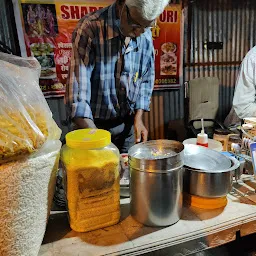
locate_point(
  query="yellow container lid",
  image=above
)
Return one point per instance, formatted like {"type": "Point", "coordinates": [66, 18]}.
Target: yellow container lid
{"type": "Point", "coordinates": [88, 139]}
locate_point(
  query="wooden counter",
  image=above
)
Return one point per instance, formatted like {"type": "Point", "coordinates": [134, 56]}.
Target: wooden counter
{"type": "Point", "coordinates": [197, 230]}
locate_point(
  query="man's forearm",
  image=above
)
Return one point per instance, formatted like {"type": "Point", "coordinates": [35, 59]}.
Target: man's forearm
{"type": "Point", "coordinates": [139, 114]}
{"type": "Point", "coordinates": [82, 123]}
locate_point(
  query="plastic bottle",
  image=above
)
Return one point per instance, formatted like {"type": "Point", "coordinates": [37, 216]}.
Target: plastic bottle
{"type": "Point", "coordinates": [202, 137]}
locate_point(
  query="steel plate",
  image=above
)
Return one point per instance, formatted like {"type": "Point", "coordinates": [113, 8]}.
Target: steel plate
{"type": "Point", "coordinates": [205, 159]}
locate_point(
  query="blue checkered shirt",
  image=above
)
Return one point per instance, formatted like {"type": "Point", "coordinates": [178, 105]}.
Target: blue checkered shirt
{"type": "Point", "coordinates": [106, 78]}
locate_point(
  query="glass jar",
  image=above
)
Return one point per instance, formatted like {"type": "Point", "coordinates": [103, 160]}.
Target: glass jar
{"type": "Point", "coordinates": [233, 139]}
{"type": "Point", "coordinates": [221, 135]}
{"type": "Point", "coordinates": [91, 173]}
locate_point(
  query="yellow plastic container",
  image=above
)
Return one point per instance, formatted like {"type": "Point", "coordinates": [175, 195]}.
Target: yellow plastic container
{"type": "Point", "coordinates": [91, 172]}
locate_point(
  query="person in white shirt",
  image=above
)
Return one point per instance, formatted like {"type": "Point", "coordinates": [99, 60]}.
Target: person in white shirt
{"type": "Point", "coordinates": [244, 101]}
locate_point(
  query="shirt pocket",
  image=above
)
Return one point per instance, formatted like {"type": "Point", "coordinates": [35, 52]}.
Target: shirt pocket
{"type": "Point", "coordinates": [134, 88]}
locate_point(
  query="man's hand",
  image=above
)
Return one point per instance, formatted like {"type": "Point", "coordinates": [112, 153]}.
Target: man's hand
{"type": "Point", "coordinates": [141, 133]}
{"type": "Point", "coordinates": [82, 123]}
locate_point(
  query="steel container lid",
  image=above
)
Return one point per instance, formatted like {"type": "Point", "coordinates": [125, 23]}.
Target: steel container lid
{"type": "Point", "coordinates": [157, 156]}
{"type": "Point", "coordinates": [205, 160]}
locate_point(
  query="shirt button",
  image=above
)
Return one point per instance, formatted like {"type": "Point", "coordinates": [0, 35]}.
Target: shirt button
{"type": "Point", "coordinates": [122, 89]}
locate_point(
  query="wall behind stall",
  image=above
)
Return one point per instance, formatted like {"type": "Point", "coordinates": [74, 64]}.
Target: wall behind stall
{"type": "Point", "coordinates": [231, 22]}
{"type": "Point", "coordinates": [166, 105]}
{"type": "Point", "coordinates": [8, 34]}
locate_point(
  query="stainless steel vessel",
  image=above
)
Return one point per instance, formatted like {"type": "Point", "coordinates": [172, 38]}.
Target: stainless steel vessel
{"type": "Point", "coordinates": [156, 185]}
{"type": "Point", "coordinates": [207, 172]}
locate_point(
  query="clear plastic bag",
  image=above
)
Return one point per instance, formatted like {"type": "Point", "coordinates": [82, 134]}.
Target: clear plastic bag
{"type": "Point", "coordinates": [25, 119]}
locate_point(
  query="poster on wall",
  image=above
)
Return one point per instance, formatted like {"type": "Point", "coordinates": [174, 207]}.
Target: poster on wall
{"type": "Point", "coordinates": [168, 43]}
{"type": "Point", "coordinates": [47, 27]}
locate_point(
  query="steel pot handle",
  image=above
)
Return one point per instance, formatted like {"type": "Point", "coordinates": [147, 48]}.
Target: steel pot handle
{"type": "Point", "coordinates": [236, 163]}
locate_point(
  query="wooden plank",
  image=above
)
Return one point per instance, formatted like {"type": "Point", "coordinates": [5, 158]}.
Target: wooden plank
{"type": "Point", "coordinates": [214, 63]}
{"type": "Point", "coordinates": [211, 227]}
{"type": "Point", "coordinates": [248, 228]}
{"type": "Point", "coordinates": [222, 237]}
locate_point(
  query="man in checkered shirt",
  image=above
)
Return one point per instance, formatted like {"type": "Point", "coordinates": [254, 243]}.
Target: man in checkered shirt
{"type": "Point", "coordinates": [111, 76]}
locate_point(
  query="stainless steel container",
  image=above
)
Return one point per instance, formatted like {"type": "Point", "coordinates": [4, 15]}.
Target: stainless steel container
{"type": "Point", "coordinates": [156, 185]}
{"type": "Point", "coordinates": [208, 173]}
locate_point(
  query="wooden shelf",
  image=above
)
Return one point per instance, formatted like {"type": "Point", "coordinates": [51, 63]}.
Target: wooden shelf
{"type": "Point", "coordinates": [197, 230]}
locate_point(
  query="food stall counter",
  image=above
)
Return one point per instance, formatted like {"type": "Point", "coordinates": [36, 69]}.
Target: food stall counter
{"type": "Point", "coordinates": [197, 230]}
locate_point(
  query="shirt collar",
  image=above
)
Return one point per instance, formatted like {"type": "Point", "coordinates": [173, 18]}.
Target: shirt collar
{"type": "Point", "coordinates": [112, 23]}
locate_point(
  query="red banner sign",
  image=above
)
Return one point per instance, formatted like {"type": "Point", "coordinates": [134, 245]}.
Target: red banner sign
{"type": "Point", "coordinates": [48, 26]}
